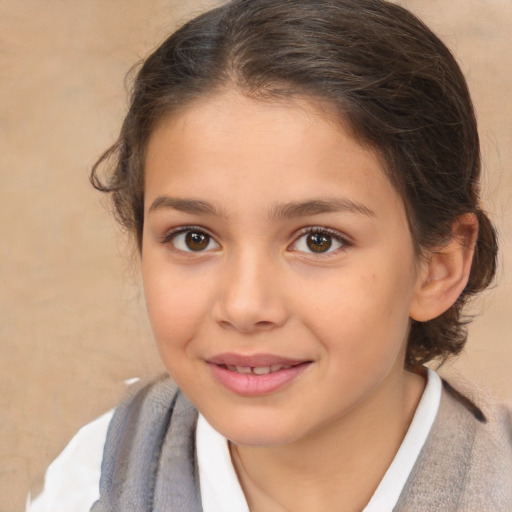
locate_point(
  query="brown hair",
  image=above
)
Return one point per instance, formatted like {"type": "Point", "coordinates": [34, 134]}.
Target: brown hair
{"type": "Point", "coordinates": [381, 71]}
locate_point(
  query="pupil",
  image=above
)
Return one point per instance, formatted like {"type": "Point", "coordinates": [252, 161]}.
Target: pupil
{"type": "Point", "coordinates": [318, 242]}
{"type": "Point", "coordinates": [196, 241]}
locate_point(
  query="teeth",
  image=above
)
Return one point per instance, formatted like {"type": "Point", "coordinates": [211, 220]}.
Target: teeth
{"type": "Point", "coordinates": [261, 370]}
{"type": "Point", "coordinates": [277, 367]}
{"type": "Point", "coordinates": [258, 370]}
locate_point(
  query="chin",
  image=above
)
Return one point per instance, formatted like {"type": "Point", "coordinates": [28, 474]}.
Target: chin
{"type": "Point", "coordinates": [266, 439]}
{"type": "Point", "coordinates": [260, 432]}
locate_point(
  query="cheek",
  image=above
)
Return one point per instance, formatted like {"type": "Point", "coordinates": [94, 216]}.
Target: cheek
{"type": "Point", "coordinates": [364, 316]}
{"type": "Point", "coordinates": [176, 306]}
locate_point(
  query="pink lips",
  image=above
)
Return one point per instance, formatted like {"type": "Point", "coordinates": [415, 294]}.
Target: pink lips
{"type": "Point", "coordinates": [255, 375]}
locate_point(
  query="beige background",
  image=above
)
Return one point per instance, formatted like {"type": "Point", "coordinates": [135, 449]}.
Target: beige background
{"type": "Point", "coordinates": [72, 325]}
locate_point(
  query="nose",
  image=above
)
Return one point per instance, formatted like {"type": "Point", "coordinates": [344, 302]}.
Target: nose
{"type": "Point", "coordinates": [250, 299]}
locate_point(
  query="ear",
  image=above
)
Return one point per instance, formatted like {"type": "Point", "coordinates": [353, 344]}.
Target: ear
{"type": "Point", "coordinates": [445, 271]}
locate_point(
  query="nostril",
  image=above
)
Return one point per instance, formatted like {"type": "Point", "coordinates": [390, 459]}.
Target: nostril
{"type": "Point", "coordinates": [264, 323]}
{"type": "Point", "coordinates": [225, 324]}
{"type": "Point", "coordinates": [249, 327]}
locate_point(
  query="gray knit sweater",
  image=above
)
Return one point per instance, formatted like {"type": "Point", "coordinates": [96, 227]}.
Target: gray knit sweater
{"type": "Point", "coordinates": [149, 460]}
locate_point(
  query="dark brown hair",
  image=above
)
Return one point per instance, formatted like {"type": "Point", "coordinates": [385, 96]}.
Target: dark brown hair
{"type": "Point", "coordinates": [380, 70]}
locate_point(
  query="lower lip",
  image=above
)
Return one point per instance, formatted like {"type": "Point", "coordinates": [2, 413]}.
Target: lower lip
{"type": "Point", "coordinates": [249, 384]}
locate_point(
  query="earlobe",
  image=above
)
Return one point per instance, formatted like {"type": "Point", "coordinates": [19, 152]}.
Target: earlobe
{"type": "Point", "coordinates": [444, 272]}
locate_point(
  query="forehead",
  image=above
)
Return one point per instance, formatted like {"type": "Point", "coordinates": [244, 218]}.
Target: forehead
{"type": "Point", "coordinates": [231, 148]}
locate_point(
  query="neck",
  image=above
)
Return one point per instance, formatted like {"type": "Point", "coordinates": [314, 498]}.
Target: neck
{"type": "Point", "coordinates": [342, 462]}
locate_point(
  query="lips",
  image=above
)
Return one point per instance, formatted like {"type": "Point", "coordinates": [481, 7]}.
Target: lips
{"type": "Point", "coordinates": [255, 375]}
{"type": "Point", "coordinates": [257, 370]}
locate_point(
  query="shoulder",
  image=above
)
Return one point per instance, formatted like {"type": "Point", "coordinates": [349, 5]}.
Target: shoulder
{"type": "Point", "coordinates": [483, 422]}
{"type": "Point", "coordinates": [72, 479]}
{"type": "Point", "coordinates": [466, 463]}
{"type": "Point", "coordinates": [488, 479]}
{"type": "Point", "coordinates": [145, 412]}
{"type": "Point", "coordinates": [150, 451]}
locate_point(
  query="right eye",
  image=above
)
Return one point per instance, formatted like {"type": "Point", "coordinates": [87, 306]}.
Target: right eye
{"type": "Point", "coordinates": [192, 240]}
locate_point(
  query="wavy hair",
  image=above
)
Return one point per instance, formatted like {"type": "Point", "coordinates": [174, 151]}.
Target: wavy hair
{"type": "Point", "coordinates": [380, 70]}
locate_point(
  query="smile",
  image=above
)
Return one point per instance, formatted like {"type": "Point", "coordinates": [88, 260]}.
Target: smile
{"type": "Point", "coordinates": [255, 375]}
{"type": "Point", "coordinates": [257, 370]}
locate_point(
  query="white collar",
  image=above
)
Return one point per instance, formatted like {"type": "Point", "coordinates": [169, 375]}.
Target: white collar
{"type": "Point", "coordinates": [387, 493]}
{"type": "Point", "coordinates": [221, 491]}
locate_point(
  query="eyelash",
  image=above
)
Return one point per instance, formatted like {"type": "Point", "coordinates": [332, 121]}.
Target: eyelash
{"type": "Point", "coordinates": [173, 233]}
{"type": "Point", "coordinates": [335, 235]}
{"type": "Point", "coordinates": [169, 235]}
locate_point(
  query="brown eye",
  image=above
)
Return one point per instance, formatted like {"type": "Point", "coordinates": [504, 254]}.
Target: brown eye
{"type": "Point", "coordinates": [197, 241]}
{"type": "Point", "coordinates": [319, 242]}
{"type": "Point", "coordinates": [191, 240]}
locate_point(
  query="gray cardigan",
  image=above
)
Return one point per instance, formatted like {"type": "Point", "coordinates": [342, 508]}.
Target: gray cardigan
{"type": "Point", "coordinates": [149, 460]}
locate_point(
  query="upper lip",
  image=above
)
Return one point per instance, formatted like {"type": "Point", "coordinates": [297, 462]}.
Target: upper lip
{"type": "Point", "coordinates": [256, 360]}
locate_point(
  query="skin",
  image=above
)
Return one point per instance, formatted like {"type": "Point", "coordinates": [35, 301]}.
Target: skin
{"type": "Point", "coordinates": [328, 436]}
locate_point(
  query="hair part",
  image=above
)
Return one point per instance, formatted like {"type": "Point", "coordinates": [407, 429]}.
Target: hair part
{"type": "Point", "coordinates": [379, 70]}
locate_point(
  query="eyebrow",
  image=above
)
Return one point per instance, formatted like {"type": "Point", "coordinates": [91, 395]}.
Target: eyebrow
{"type": "Point", "coordinates": [185, 205]}
{"type": "Point", "coordinates": [288, 210]}
{"type": "Point", "coordinates": [317, 206]}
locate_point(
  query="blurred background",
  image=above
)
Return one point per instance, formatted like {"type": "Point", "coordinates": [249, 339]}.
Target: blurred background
{"type": "Point", "coordinates": [72, 321]}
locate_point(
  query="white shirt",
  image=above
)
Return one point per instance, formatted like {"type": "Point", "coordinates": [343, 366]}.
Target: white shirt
{"type": "Point", "coordinates": [72, 480]}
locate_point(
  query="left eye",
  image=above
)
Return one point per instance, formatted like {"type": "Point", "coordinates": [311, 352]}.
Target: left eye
{"type": "Point", "coordinates": [317, 242]}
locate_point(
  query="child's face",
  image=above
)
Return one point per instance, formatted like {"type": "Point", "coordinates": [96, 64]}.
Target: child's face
{"type": "Point", "coordinates": [273, 238]}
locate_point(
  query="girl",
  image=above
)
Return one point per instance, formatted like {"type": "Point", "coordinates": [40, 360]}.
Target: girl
{"type": "Point", "coordinates": [302, 181]}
